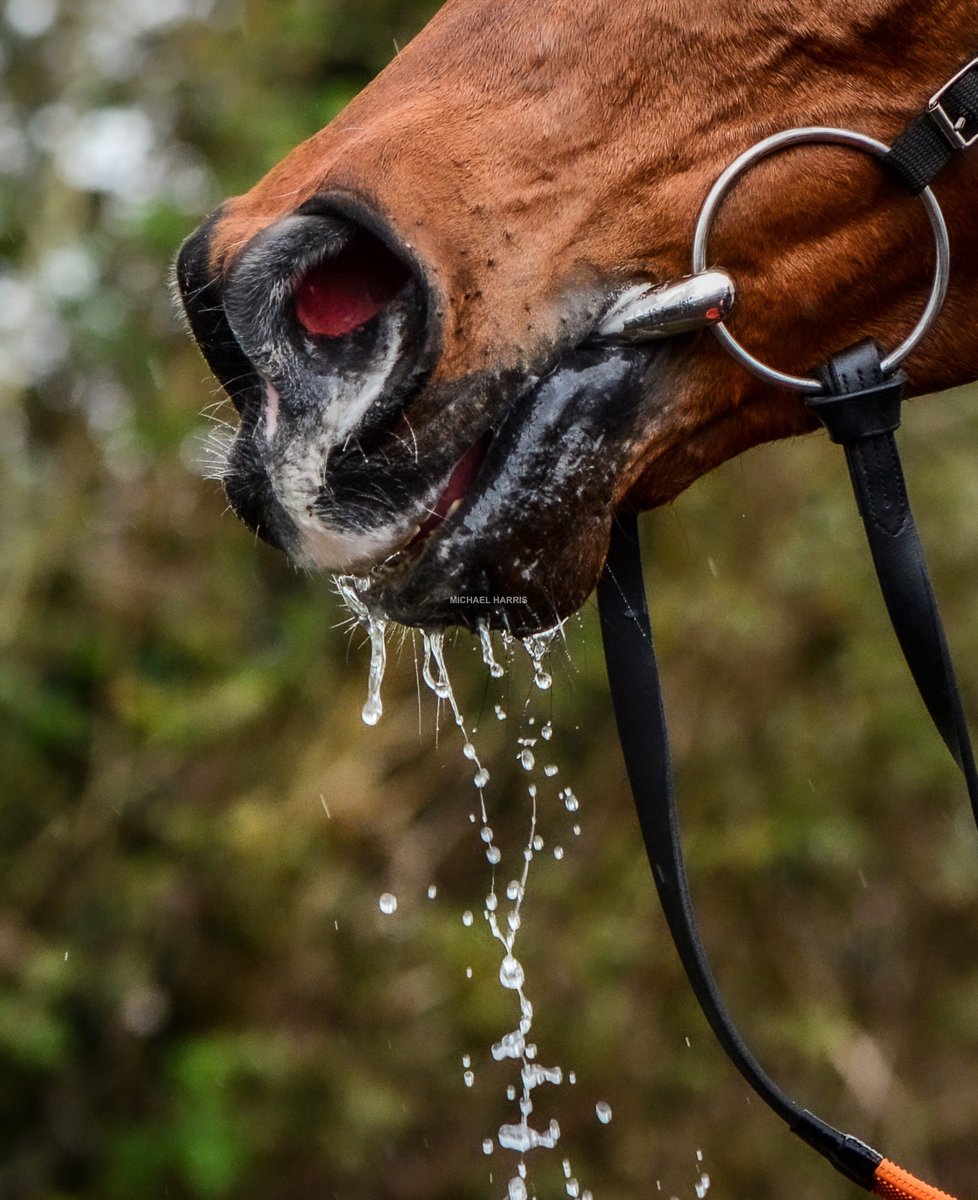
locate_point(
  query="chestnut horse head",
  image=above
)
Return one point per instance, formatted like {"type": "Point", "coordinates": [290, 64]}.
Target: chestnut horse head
{"type": "Point", "coordinates": [404, 310]}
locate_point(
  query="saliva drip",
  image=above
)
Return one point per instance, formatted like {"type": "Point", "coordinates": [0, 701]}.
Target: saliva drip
{"type": "Point", "coordinates": [488, 657]}
{"type": "Point", "coordinates": [536, 646]}
{"type": "Point", "coordinates": [349, 588]}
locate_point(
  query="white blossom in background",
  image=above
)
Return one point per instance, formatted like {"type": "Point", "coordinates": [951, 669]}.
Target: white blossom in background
{"type": "Point", "coordinates": [30, 18]}
{"type": "Point", "coordinates": [127, 154]}
{"type": "Point", "coordinates": [34, 340]}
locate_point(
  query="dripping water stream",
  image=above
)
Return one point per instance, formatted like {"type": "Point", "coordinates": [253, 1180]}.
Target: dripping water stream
{"type": "Point", "coordinates": [525, 1132]}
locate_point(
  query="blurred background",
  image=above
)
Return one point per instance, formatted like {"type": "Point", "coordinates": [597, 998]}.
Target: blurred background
{"type": "Point", "coordinates": [200, 997]}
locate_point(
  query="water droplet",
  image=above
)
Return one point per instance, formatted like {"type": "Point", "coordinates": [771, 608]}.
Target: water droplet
{"type": "Point", "coordinates": [558, 852]}
{"type": "Point", "coordinates": [468, 1078]}
{"type": "Point", "coordinates": [500, 712]}
{"type": "Point", "coordinates": [526, 759]}
{"type": "Point", "coordinates": [517, 1189]}
{"type": "Point", "coordinates": [487, 1146]}
{"type": "Point", "coordinates": [571, 802]}
{"type": "Point", "coordinates": [468, 972]}
{"type": "Point", "coordinates": [577, 830]}
{"type": "Point", "coordinates": [485, 833]}
{"type": "Point", "coordinates": [511, 972]}
{"type": "Point", "coordinates": [467, 918]}
{"type": "Point", "coordinates": [572, 1077]}
{"type": "Point", "coordinates": [536, 647]}
{"type": "Point", "coordinates": [547, 731]}
{"type": "Point", "coordinates": [495, 668]}
{"type": "Point", "coordinates": [573, 1189]}
{"type": "Point", "coordinates": [603, 1112]}
{"type": "Point", "coordinates": [387, 904]}
{"type": "Point", "coordinates": [703, 1186]}
{"type": "Point", "coordinates": [537, 843]}
{"type": "Point", "coordinates": [514, 890]}
{"type": "Point", "coordinates": [533, 1075]}
{"type": "Point", "coordinates": [522, 1138]}
{"type": "Point", "coordinates": [432, 892]}
{"type": "Point", "coordinates": [437, 679]}
{"type": "Point", "coordinates": [480, 778]}
{"type": "Point", "coordinates": [514, 921]}
{"type": "Point", "coordinates": [494, 854]}
{"type": "Point", "coordinates": [567, 1168]}
{"type": "Point", "coordinates": [511, 1045]}
{"type": "Point", "coordinates": [468, 750]}
{"type": "Point", "coordinates": [510, 1092]}
{"type": "Point", "coordinates": [349, 589]}
{"type": "Point", "coordinates": [492, 901]}
{"type": "Point", "coordinates": [550, 770]}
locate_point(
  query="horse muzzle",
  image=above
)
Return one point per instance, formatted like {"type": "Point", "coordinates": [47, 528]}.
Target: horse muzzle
{"type": "Point", "coordinates": [483, 498]}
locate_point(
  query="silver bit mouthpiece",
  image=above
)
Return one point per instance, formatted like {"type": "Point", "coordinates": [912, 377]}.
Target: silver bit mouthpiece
{"type": "Point", "coordinates": [647, 311]}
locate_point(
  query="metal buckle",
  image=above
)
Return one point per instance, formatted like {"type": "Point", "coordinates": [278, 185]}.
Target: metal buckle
{"type": "Point", "coordinates": [953, 127]}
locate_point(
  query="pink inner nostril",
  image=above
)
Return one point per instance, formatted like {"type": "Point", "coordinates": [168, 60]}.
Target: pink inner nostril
{"type": "Point", "coordinates": [341, 294]}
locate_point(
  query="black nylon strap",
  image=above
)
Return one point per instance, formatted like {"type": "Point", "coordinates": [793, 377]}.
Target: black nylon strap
{"type": "Point", "coordinates": [919, 153]}
{"type": "Point", "coordinates": [926, 145]}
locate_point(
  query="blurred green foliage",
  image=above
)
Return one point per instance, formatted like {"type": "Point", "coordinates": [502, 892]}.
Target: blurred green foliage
{"type": "Point", "coordinates": [199, 997]}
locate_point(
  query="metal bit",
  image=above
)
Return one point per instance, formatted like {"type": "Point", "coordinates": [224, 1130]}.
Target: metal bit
{"type": "Point", "coordinates": [649, 311]}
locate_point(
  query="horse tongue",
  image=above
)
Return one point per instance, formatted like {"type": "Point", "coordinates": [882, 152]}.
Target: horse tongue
{"type": "Point", "coordinates": [458, 484]}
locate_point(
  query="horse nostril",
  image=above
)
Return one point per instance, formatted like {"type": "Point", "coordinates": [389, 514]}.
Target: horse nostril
{"type": "Point", "coordinates": [333, 316]}
{"type": "Point", "coordinates": [342, 293]}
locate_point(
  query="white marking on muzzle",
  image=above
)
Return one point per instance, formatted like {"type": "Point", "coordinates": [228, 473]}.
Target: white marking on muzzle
{"type": "Point", "coordinates": [298, 467]}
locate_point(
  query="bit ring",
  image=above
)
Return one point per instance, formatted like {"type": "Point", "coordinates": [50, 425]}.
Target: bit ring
{"type": "Point", "coordinates": [838, 137]}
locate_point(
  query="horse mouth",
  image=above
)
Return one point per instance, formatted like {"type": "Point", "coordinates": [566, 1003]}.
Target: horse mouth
{"type": "Point", "coordinates": [522, 545]}
{"type": "Point", "coordinates": [485, 499]}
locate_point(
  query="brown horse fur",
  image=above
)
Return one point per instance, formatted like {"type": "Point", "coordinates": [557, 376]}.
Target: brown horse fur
{"type": "Point", "coordinates": [536, 157]}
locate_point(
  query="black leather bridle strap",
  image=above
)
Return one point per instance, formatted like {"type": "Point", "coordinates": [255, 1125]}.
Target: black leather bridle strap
{"type": "Point", "coordinates": [637, 699]}
{"type": "Point", "coordinates": [861, 411]}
